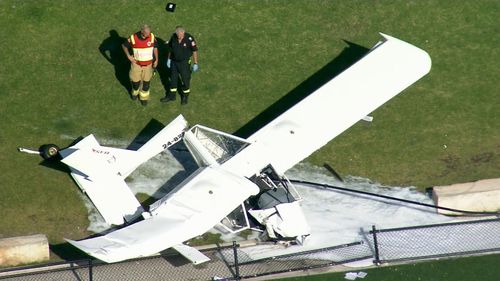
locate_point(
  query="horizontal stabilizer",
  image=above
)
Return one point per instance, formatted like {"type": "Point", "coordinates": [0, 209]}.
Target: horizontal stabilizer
{"type": "Point", "coordinates": [111, 196]}
{"type": "Point", "coordinates": [91, 159]}
{"type": "Point", "coordinates": [100, 171]}
{"type": "Point", "coordinates": [95, 169]}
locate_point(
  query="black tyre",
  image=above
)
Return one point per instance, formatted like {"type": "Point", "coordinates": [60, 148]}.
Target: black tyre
{"type": "Point", "coordinates": [49, 151]}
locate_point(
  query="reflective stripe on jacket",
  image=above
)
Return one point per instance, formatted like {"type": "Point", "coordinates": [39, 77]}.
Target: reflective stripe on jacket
{"type": "Point", "coordinates": [143, 49]}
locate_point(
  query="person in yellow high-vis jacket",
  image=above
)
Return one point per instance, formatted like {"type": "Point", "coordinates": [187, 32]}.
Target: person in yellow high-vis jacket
{"type": "Point", "coordinates": [144, 59]}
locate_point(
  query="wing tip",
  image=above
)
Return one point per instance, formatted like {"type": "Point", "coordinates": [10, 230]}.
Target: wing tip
{"type": "Point", "coordinates": [422, 57]}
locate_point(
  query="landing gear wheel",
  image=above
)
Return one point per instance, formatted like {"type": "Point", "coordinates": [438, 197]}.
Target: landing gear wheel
{"type": "Point", "coordinates": [49, 151]}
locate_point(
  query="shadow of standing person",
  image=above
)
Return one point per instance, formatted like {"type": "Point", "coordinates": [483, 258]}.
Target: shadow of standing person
{"type": "Point", "coordinates": [111, 49]}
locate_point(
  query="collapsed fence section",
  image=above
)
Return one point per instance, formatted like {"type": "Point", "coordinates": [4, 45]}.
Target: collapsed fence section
{"type": "Point", "coordinates": [245, 267]}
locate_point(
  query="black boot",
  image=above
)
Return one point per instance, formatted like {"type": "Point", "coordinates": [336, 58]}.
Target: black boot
{"type": "Point", "coordinates": [169, 97]}
{"type": "Point", "coordinates": [134, 91]}
{"type": "Point", "coordinates": [134, 94]}
{"type": "Point", "coordinates": [184, 99]}
{"type": "Point", "coordinates": [144, 102]}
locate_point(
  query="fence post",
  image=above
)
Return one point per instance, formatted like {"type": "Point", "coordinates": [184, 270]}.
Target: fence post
{"type": "Point", "coordinates": [375, 246]}
{"type": "Point", "coordinates": [90, 270]}
{"type": "Point", "coordinates": [236, 266]}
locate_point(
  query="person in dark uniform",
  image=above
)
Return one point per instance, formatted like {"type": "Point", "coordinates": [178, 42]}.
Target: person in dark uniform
{"type": "Point", "coordinates": [182, 47]}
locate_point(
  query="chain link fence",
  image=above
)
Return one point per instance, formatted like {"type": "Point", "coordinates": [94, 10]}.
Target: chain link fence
{"type": "Point", "coordinates": [169, 266]}
{"type": "Point", "coordinates": [226, 263]}
{"type": "Point", "coordinates": [233, 263]}
{"type": "Point", "coordinates": [441, 240]}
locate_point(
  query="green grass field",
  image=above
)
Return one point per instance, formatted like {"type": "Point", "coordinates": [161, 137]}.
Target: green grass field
{"type": "Point", "coordinates": [464, 269]}
{"type": "Point", "coordinates": [256, 58]}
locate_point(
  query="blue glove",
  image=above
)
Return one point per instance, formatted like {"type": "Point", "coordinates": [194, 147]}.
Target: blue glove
{"type": "Point", "coordinates": [168, 63]}
{"type": "Point", "coordinates": [195, 67]}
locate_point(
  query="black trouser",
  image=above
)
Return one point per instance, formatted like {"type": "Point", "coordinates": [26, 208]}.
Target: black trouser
{"type": "Point", "coordinates": [182, 68]}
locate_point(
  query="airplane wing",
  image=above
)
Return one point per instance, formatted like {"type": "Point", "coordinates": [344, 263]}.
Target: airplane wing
{"type": "Point", "coordinates": [389, 68]}
{"type": "Point", "coordinates": [197, 204]}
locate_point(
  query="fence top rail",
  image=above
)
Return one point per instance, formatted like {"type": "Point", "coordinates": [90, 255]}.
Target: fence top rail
{"type": "Point", "coordinates": [54, 265]}
{"type": "Point", "coordinates": [44, 268]}
{"type": "Point", "coordinates": [436, 225]}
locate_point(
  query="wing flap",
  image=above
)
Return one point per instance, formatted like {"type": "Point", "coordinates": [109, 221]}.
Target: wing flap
{"type": "Point", "coordinates": [191, 254]}
{"type": "Point", "coordinates": [140, 239]}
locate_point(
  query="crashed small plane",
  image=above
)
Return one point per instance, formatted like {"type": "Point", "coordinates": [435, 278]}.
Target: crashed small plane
{"type": "Point", "coordinates": [237, 178]}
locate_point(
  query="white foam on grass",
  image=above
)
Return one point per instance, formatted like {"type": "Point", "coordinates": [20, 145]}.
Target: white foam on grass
{"type": "Point", "coordinates": [152, 178]}
{"type": "Point", "coordinates": [335, 218]}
